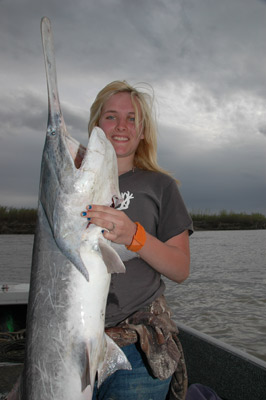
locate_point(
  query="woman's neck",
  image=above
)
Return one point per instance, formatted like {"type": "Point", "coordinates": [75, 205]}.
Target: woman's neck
{"type": "Point", "coordinates": [124, 165]}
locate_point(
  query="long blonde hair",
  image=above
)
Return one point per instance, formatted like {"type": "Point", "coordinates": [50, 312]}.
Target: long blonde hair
{"type": "Point", "coordinates": [146, 153]}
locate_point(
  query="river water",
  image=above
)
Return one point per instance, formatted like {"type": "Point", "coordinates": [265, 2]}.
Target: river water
{"type": "Point", "coordinates": [225, 295]}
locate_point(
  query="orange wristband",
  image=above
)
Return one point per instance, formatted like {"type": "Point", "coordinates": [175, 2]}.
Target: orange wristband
{"type": "Point", "coordinates": [138, 240]}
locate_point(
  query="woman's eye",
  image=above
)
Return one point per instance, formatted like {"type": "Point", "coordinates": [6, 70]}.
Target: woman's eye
{"type": "Point", "coordinates": [110, 117]}
{"type": "Point", "coordinates": [132, 119]}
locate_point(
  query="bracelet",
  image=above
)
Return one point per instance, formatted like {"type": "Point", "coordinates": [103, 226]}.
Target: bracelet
{"type": "Point", "coordinates": [138, 240]}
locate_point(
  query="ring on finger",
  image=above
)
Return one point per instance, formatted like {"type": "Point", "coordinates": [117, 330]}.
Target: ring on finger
{"type": "Point", "coordinates": [113, 227]}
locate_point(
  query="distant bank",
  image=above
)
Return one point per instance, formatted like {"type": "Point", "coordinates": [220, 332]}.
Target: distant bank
{"type": "Point", "coordinates": [228, 221]}
{"type": "Point", "coordinates": [23, 220]}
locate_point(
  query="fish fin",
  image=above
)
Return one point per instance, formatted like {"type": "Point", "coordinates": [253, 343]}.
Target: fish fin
{"type": "Point", "coordinates": [87, 393]}
{"type": "Point", "coordinates": [123, 253]}
{"type": "Point", "coordinates": [85, 378]}
{"type": "Point", "coordinates": [110, 257]}
{"type": "Point", "coordinates": [114, 360]}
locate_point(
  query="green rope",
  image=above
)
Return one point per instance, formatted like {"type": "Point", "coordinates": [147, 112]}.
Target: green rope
{"type": "Point", "coordinates": [10, 323]}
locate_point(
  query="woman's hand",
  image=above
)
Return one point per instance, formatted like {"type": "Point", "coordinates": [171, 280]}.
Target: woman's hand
{"type": "Point", "coordinates": [172, 258]}
{"type": "Point", "coordinates": [118, 227]}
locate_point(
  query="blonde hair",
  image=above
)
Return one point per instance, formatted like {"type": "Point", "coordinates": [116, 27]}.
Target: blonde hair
{"type": "Point", "coordinates": [146, 153]}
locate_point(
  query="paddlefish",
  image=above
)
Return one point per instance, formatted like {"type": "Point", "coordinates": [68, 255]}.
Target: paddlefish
{"type": "Point", "coordinates": [66, 346]}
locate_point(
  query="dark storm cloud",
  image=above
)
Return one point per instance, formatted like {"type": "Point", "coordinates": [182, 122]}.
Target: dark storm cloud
{"type": "Point", "coordinates": [217, 177]}
{"type": "Point", "coordinates": [262, 130]}
{"type": "Point", "coordinates": [206, 61]}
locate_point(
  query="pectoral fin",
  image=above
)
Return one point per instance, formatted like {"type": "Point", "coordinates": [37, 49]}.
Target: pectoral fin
{"type": "Point", "coordinates": [87, 393]}
{"type": "Point", "coordinates": [114, 360]}
{"type": "Point", "coordinates": [113, 262]}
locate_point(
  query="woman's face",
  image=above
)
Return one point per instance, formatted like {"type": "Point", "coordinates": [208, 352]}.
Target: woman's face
{"type": "Point", "coordinates": [117, 120]}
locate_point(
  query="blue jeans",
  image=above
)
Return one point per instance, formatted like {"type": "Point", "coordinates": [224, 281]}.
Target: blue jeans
{"type": "Point", "coordinates": [137, 384]}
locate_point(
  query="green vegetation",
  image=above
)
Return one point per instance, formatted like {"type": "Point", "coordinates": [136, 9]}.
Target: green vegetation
{"type": "Point", "coordinates": [23, 220]}
{"type": "Point", "coordinates": [27, 215]}
{"type": "Point", "coordinates": [17, 220]}
{"type": "Point", "coordinates": [228, 220]}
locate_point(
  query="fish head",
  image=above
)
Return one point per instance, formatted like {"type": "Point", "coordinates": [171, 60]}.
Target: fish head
{"type": "Point", "coordinates": [74, 177]}
{"type": "Point", "coordinates": [98, 173]}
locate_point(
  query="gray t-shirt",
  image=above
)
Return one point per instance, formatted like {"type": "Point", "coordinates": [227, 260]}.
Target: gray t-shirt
{"type": "Point", "coordinates": [153, 200]}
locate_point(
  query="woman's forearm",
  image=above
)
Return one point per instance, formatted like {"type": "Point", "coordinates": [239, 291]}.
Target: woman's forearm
{"type": "Point", "coordinates": [172, 258]}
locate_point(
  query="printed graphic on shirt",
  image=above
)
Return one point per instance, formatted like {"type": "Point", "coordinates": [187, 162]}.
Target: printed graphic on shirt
{"type": "Point", "coordinates": [127, 196]}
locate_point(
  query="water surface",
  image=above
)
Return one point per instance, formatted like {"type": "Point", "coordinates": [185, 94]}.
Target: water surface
{"type": "Point", "coordinates": [224, 296]}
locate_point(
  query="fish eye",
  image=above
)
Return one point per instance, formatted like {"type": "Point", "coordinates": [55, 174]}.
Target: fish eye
{"type": "Point", "coordinates": [51, 131]}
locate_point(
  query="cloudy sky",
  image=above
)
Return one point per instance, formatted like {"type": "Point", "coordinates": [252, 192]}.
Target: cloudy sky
{"type": "Point", "coordinates": [205, 59]}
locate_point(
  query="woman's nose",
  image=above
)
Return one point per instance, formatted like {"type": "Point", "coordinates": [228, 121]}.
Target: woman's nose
{"type": "Point", "coordinates": [121, 124]}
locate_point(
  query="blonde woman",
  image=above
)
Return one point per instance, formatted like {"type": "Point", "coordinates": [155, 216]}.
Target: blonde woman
{"type": "Point", "coordinates": [137, 316]}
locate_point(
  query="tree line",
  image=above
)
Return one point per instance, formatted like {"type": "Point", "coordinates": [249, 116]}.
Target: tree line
{"type": "Point", "coordinates": [23, 220]}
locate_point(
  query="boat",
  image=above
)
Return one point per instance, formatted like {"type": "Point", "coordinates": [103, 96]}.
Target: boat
{"type": "Point", "coordinates": [14, 294]}
{"type": "Point", "coordinates": [231, 373]}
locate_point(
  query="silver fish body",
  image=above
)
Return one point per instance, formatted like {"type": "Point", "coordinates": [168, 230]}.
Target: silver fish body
{"type": "Point", "coordinates": [71, 264]}
{"type": "Point", "coordinates": [66, 344]}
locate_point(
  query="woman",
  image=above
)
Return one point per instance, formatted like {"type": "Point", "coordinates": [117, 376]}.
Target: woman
{"type": "Point", "coordinates": [137, 317]}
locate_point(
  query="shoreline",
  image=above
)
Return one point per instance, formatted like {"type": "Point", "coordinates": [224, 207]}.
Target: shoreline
{"type": "Point", "coordinates": [19, 228]}
{"type": "Point", "coordinates": [23, 221]}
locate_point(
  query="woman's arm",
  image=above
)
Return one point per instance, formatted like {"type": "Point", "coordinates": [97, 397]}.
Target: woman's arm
{"type": "Point", "coordinates": [171, 258]}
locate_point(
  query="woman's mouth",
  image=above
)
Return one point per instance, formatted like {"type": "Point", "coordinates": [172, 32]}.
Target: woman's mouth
{"type": "Point", "coordinates": [120, 138]}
